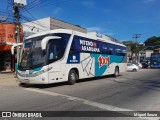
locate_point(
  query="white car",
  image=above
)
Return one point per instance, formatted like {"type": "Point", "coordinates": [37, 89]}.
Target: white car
{"type": "Point", "coordinates": [139, 65]}
{"type": "Point", "coordinates": [132, 67]}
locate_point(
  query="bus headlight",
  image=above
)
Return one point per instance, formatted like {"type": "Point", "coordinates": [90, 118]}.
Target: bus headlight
{"type": "Point", "coordinates": [35, 74]}
{"type": "Point", "coordinates": [42, 71]}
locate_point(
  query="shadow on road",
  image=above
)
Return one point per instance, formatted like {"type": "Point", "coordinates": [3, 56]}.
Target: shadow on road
{"type": "Point", "coordinates": [153, 83]}
{"type": "Point", "coordinates": [43, 86]}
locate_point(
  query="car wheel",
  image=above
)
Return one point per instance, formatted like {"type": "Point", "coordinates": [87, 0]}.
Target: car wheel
{"type": "Point", "coordinates": [134, 70]}
{"type": "Point", "coordinates": [72, 77]}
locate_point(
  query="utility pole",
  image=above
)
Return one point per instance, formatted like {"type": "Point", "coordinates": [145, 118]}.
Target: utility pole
{"type": "Point", "coordinates": [136, 36]}
{"type": "Point", "coordinates": [16, 6]}
{"type": "Point", "coordinates": [17, 28]}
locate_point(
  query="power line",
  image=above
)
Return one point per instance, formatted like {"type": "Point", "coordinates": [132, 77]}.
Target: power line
{"type": "Point", "coordinates": [31, 3]}
{"type": "Point", "coordinates": [48, 3]}
{"type": "Point", "coordinates": [24, 18]}
{"type": "Point", "coordinates": [34, 4]}
{"type": "Point", "coordinates": [136, 36]}
{"type": "Point", "coordinates": [37, 22]}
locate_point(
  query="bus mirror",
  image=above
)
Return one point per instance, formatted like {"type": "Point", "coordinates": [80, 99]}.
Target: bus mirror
{"type": "Point", "coordinates": [15, 45]}
{"type": "Point", "coordinates": [46, 40]}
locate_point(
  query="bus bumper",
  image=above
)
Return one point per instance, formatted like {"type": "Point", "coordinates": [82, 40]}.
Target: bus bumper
{"type": "Point", "coordinates": [41, 79]}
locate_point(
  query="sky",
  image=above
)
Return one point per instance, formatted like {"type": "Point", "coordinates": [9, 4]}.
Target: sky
{"type": "Point", "coordinates": [120, 19]}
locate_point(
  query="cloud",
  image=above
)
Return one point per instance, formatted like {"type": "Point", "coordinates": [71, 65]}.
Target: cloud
{"type": "Point", "coordinates": [100, 30]}
{"type": "Point", "coordinates": [94, 29]}
{"type": "Point", "coordinates": [57, 11]}
{"type": "Point", "coordinates": [149, 1]}
{"type": "Point", "coordinates": [109, 33]}
{"type": "Point", "coordinates": [88, 4]}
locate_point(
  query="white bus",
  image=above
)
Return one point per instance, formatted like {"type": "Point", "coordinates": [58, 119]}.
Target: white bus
{"type": "Point", "coordinates": [65, 55]}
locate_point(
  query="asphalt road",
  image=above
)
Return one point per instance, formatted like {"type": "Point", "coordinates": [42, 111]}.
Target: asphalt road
{"type": "Point", "coordinates": [131, 91]}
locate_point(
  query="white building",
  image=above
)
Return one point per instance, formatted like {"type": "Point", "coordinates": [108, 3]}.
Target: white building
{"type": "Point", "coordinates": [49, 24]}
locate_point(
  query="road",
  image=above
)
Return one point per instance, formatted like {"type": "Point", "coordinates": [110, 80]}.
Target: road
{"type": "Point", "coordinates": [131, 91]}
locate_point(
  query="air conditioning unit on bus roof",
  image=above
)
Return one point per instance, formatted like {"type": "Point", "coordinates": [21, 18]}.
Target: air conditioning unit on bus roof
{"type": "Point", "coordinates": [99, 35]}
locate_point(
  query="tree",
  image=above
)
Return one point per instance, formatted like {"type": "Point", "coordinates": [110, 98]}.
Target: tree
{"type": "Point", "coordinates": [134, 48]}
{"type": "Point", "coordinates": [152, 41]}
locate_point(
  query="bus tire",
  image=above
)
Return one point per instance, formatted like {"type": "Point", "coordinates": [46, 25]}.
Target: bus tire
{"type": "Point", "coordinates": [116, 72]}
{"type": "Point", "coordinates": [72, 77]}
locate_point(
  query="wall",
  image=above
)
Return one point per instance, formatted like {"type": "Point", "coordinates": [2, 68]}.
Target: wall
{"type": "Point", "coordinates": [7, 39]}
{"type": "Point", "coordinates": [48, 24]}
{"type": "Point", "coordinates": [36, 26]}
{"type": "Point", "coordinates": [7, 35]}
{"type": "Point", "coordinates": [148, 53]}
{"type": "Point", "coordinates": [58, 24]}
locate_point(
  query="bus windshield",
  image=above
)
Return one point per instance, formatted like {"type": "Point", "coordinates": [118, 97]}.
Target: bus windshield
{"type": "Point", "coordinates": [155, 55]}
{"type": "Point", "coordinates": [33, 56]}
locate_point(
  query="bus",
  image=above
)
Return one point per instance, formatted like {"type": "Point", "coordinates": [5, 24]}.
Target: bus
{"type": "Point", "coordinates": [155, 60]}
{"type": "Point", "coordinates": [66, 55]}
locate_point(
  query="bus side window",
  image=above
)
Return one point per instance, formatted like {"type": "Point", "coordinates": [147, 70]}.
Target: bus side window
{"type": "Point", "coordinates": [51, 56]}
{"type": "Point", "coordinates": [123, 51]}
{"type": "Point", "coordinates": [118, 50]}
{"type": "Point", "coordinates": [56, 51]}
{"type": "Point", "coordinates": [110, 50]}
{"type": "Point", "coordinates": [73, 48]}
{"type": "Point", "coordinates": [104, 49]}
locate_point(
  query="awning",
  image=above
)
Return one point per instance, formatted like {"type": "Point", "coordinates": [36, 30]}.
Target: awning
{"type": "Point", "coordinates": [4, 47]}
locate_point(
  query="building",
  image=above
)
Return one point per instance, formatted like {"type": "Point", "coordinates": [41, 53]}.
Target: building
{"type": "Point", "coordinates": [145, 54]}
{"type": "Point", "coordinates": [7, 39]}
{"type": "Point", "coordinates": [157, 50]}
{"type": "Point", "coordinates": [49, 24]}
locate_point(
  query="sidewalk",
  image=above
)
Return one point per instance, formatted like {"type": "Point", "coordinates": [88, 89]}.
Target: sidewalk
{"type": "Point", "coordinates": [7, 79]}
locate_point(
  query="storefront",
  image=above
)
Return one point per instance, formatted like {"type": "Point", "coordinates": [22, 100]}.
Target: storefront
{"type": "Point", "coordinates": [7, 39]}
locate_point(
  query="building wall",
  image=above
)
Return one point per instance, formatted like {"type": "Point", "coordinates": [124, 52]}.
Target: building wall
{"type": "Point", "coordinates": [58, 24]}
{"type": "Point", "coordinates": [7, 39]}
{"type": "Point", "coordinates": [48, 24]}
{"type": "Point", "coordinates": [36, 26]}
{"type": "Point", "coordinates": [148, 53]}
{"type": "Point", "coordinates": [7, 34]}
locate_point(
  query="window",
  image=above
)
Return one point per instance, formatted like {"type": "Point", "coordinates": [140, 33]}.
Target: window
{"type": "Point", "coordinates": [56, 50]}
{"type": "Point", "coordinates": [111, 49]}
{"type": "Point", "coordinates": [57, 47]}
{"type": "Point", "coordinates": [104, 48]}
{"type": "Point", "coordinates": [73, 48]}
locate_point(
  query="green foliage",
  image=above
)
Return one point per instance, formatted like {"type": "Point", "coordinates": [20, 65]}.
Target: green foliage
{"type": "Point", "coordinates": [127, 42]}
{"type": "Point", "coordinates": [134, 47]}
{"type": "Point", "coordinates": [152, 41]}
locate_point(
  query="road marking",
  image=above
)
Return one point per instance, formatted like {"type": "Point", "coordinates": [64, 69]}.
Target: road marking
{"type": "Point", "coordinates": [91, 103]}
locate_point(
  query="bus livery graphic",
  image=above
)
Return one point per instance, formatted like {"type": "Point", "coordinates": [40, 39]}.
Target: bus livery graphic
{"type": "Point", "coordinates": [103, 61]}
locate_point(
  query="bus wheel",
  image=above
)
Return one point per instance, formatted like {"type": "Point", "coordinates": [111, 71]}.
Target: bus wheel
{"type": "Point", "coordinates": [72, 77]}
{"type": "Point", "coordinates": [116, 72]}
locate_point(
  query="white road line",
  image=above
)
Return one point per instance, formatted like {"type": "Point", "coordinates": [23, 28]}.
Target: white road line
{"type": "Point", "coordinates": [91, 103]}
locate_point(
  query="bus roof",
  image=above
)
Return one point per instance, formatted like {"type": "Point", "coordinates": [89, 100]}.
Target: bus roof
{"type": "Point", "coordinates": [50, 32]}
{"type": "Point", "coordinates": [86, 35]}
